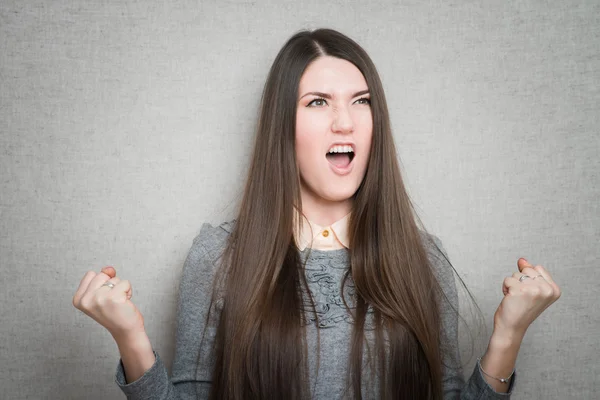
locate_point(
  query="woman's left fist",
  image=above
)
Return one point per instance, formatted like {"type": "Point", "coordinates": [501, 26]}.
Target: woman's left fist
{"type": "Point", "coordinates": [526, 295]}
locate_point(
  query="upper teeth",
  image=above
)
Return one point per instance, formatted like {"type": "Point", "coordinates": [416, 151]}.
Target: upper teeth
{"type": "Point", "coordinates": [341, 149]}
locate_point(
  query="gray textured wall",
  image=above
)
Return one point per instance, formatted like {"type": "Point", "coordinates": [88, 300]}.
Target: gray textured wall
{"type": "Point", "coordinates": [126, 124]}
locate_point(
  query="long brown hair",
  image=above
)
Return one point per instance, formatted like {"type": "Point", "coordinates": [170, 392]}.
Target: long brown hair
{"type": "Point", "coordinates": [260, 345]}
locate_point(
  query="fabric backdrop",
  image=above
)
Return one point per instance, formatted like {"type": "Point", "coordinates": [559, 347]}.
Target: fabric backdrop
{"type": "Point", "coordinates": [124, 125]}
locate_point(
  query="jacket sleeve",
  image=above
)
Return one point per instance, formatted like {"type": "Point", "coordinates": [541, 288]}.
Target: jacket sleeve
{"type": "Point", "coordinates": [454, 385]}
{"type": "Point", "coordinates": [192, 365]}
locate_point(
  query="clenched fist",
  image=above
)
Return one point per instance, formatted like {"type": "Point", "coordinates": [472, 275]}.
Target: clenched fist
{"type": "Point", "coordinates": [110, 307]}
{"type": "Point", "coordinates": [526, 295]}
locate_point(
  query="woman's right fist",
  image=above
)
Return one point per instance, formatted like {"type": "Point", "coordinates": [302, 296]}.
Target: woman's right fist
{"type": "Point", "coordinates": [110, 307]}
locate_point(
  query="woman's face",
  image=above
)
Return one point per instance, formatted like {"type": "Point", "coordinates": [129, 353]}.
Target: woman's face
{"type": "Point", "coordinates": [334, 127]}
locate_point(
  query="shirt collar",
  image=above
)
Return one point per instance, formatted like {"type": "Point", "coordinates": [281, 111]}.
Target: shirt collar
{"type": "Point", "coordinates": [306, 236]}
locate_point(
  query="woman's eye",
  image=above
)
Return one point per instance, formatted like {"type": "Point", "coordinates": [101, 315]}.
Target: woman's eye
{"type": "Point", "coordinates": [321, 101]}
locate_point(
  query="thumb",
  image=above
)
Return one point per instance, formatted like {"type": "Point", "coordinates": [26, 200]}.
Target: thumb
{"type": "Point", "coordinates": [522, 264]}
{"type": "Point", "coordinates": [110, 271]}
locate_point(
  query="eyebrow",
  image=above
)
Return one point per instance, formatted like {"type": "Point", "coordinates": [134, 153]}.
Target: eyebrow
{"type": "Point", "coordinates": [328, 96]}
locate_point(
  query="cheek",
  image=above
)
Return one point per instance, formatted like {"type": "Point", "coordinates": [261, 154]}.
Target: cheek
{"type": "Point", "coordinates": [307, 143]}
{"type": "Point", "coordinates": [307, 160]}
{"type": "Point", "coordinates": [366, 138]}
{"type": "Point", "coordinates": [304, 147]}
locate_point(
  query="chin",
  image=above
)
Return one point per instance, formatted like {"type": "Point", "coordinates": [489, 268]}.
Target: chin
{"type": "Point", "coordinates": [340, 195]}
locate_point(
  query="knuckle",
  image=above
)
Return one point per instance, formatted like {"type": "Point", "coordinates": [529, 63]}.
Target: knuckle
{"type": "Point", "coordinates": [542, 270]}
{"type": "Point", "coordinates": [548, 292]}
{"type": "Point", "coordinates": [85, 303]}
{"type": "Point", "coordinates": [558, 293]}
{"type": "Point", "coordinates": [101, 301]}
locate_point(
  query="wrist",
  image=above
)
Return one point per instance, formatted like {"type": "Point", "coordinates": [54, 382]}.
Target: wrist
{"type": "Point", "coordinates": [133, 341]}
{"type": "Point", "coordinates": [501, 354]}
{"type": "Point", "coordinates": [503, 340]}
{"type": "Point", "coordinates": [137, 355]}
{"type": "Point", "coordinates": [498, 362]}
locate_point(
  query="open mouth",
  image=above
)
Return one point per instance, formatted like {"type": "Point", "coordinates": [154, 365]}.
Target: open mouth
{"type": "Point", "coordinates": [340, 156]}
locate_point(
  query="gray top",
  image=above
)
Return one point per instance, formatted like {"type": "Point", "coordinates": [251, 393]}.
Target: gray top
{"type": "Point", "coordinates": [324, 271]}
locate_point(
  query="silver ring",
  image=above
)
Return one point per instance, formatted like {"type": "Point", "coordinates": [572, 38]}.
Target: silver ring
{"type": "Point", "coordinates": [109, 284]}
{"type": "Point", "coordinates": [523, 277]}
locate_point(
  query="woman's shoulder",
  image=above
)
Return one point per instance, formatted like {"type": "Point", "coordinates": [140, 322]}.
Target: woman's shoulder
{"type": "Point", "coordinates": [205, 253]}
{"type": "Point", "coordinates": [213, 239]}
{"type": "Point", "coordinates": [438, 258]}
{"type": "Point", "coordinates": [433, 245]}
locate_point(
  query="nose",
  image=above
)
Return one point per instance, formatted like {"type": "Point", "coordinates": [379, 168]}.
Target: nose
{"type": "Point", "coordinates": [342, 121]}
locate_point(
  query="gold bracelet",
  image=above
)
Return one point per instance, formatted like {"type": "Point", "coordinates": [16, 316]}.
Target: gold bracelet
{"type": "Point", "coordinates": [503, 380]}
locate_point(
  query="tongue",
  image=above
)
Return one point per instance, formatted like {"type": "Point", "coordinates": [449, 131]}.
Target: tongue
{"type": "Point", "coordinates": [340, 160]}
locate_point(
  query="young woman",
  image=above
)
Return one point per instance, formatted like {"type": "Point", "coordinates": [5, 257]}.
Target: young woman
{"type": "Point", "coordinates": [324, 286]}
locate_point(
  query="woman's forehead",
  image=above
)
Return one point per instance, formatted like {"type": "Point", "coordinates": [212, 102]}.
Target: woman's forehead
{"type": "Point", "coordinates": [332, 75]}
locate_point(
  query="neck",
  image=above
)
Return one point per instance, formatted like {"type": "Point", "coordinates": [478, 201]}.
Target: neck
{"type": "Point", "coordinates": [324, 212]}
